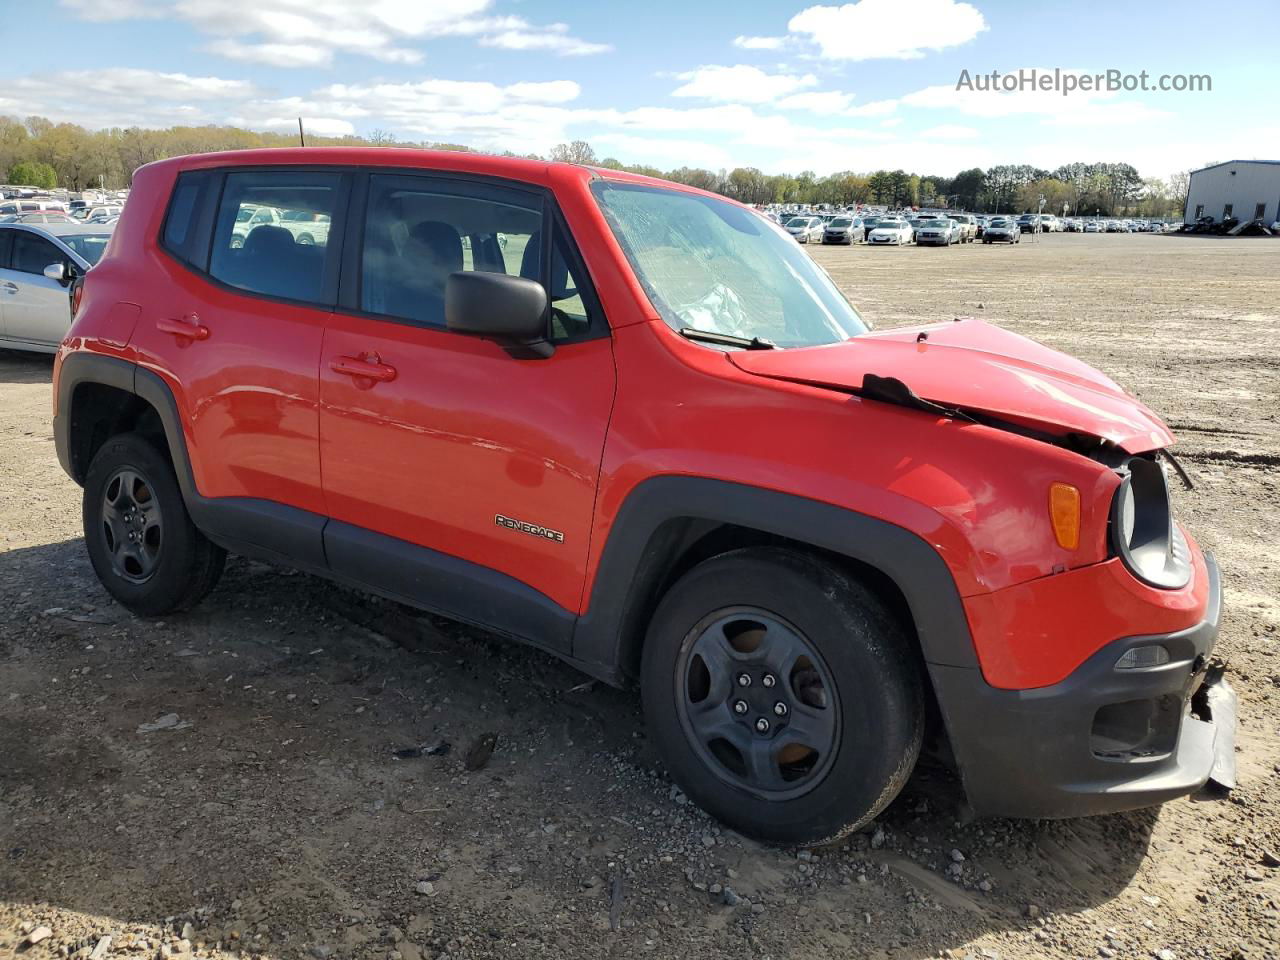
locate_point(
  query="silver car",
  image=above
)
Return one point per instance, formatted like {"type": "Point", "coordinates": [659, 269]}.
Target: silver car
{"type": "Point", "coordinates": [939, 232]}
{"type": "Point", "coordinates": [806, 229]}
{"type": "Point", "coordinates": [38, 264]}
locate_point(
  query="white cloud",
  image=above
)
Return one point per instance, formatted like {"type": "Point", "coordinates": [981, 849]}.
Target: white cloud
{"type": "Point", "coordinates": [888, 29]}
{"type": "Point", "coordinates": [126, 84]}
{"type": "Point", "coordinates": [876, 108]}
{"type": "Point", "coordinates": [759, 43]}
{"type": "Point", "coordinates": [740, 84]}
{"type": "Point", "coordinates": [550, 91]}
{"type": "Point", "coordinates": [949, 131]}
{"type": "Point", "coordinates": [116, 10]}
{"type": "Point", "coordinates": [307, 33]}
{"type": "Point", "coordinates": [554, 37]}
{"type": "Point", "coordinates": [273, 54]}
{"type": "Point", "coordinates": [824, 102]}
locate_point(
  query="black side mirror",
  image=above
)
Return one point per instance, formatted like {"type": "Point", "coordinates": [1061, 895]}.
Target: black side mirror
{"type": "Point", "coordinates": [506, 308]}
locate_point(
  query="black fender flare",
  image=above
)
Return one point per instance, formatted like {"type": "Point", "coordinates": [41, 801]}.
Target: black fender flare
{"type": "Point", "coordinates": [255, 527]}
{"type": "Point", "coordinates": [602, 634]}
{"type": "Point", "coordinates": [75, 369]}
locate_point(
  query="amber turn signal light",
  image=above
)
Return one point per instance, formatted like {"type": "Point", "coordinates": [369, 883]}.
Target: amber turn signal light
{"type": "Point", "coordinates": [1064, 514]}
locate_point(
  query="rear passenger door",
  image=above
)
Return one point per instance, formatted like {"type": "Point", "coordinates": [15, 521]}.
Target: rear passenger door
{"type": "Point", "coordinates": [446, 459]}
{"type": "Point", "coordinates": [237, 328]}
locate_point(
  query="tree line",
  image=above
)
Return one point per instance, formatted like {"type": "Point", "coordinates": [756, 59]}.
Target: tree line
{"type": "Point", "coordinates": [38, 152]}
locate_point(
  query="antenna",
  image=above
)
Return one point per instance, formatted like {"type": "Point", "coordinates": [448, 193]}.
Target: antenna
{"type": "Point", "coordinates": [301, 137]}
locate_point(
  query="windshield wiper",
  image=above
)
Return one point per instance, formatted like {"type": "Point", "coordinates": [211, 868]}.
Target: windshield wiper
{"type": "Point", "coordinates": [727, 339]}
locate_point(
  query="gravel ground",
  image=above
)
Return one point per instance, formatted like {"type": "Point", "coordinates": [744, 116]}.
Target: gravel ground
{"type": "Point", "coordinates": [226, 782]}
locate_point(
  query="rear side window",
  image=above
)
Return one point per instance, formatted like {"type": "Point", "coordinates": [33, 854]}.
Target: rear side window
{"type": "Point", "coordinates": [271, 234]}
{"type": "Point", "coordinates": [179, 236]}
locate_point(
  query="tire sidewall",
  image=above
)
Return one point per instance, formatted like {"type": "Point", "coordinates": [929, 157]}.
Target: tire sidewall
{"type": "Point", "coordinates": [177, 550]}
{"type": "Point", "coordinates": [877, 685]}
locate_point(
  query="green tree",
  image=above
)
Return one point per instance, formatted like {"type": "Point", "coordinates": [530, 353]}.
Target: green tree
{"type": "Point", "coordinates": [967, 187]}
{"type": "Point", "coordinates": [578, 151]}
{"type": "Point", "coordinates": [33, 173]}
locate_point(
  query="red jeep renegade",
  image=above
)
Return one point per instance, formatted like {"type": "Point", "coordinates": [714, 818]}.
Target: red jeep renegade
{"type": "Point", "coordinates": [635, 425]}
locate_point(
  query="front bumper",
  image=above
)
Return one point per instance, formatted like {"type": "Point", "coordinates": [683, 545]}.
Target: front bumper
{"type": "Point", "coordinates": [1101, 740]}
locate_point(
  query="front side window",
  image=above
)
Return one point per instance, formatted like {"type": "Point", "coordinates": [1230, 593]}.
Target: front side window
{"type": "Point", "coordinates": [90, 246]}
{"type": "Point", "coordinates": [252, 250]}
{"type": "Point", "coordinates": [31, 254]}
{"type": "Point", "coordinates": [417, 231]}
{"type": "Point", "coordinates": [712, 265]}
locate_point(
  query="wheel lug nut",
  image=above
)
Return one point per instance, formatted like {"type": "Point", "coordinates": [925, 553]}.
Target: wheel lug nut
{"type": "Point", "coordinates": [780, 709]}
{"type": "Point", "coordinates": [744, 680]}
{"type": "Point", "coordinates": [739, 707]}
{"type": "Point", "coordinates": [768, 680]}
{"type": "Point", "coordinates": [762, 725]}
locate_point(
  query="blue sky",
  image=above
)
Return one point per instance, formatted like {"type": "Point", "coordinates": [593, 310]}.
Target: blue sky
{"type": "Point", "coordinates": [782, 86]}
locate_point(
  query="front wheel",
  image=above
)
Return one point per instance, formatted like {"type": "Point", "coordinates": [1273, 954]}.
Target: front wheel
{"type": "Point", "coordinates": [782, 694]}
{"type": "Point", "coordinates": [141, 541]}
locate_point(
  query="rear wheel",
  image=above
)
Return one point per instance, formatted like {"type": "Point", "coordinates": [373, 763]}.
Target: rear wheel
{"type": "Point", "coordinates": [782, 695]}
{"type": "Point", "coordinates": [141, 541]}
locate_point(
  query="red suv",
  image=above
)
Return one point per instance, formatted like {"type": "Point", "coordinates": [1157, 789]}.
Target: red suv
{"type": "Point", "coordinates": [635, 425]}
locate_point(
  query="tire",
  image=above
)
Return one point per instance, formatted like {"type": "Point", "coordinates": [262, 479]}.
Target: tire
{"type": "Point", "coordinates": [862, 691]}
{"type": "Point", "coordinates": [131, 487]}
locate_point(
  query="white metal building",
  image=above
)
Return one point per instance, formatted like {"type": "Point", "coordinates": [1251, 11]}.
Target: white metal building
{"type": "Point", "coordinates": [1244, 189]}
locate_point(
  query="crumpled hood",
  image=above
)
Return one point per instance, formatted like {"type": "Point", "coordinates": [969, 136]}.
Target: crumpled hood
{"type": "Point", "coordinates": [980, 368]}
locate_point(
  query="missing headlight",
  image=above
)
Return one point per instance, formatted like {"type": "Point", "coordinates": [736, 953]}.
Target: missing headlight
{"type": "Point", "coordinates": [1143, 533]}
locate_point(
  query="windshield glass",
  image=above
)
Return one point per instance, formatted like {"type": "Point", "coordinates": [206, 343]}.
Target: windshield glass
{"type": "Point", "coordinates": [841, 222]}
{"type": "Point", "coordinates": [890, 224]}
{"type": "Point", "coordinates": [713, 265]}
{"type": "Point", "coordinates": [798, 222]}
{"type": "Point", "coordinates": [938, 223]}
{"type": "Point", "coordinates": [88, 245]}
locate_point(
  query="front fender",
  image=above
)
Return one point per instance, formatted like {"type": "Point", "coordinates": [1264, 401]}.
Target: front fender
{"type": "Point", "coordinates": [602, 632]}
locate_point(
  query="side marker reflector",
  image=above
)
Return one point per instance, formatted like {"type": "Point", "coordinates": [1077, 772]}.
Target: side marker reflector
{"type": "Point", "coordinates": [1064, 514]}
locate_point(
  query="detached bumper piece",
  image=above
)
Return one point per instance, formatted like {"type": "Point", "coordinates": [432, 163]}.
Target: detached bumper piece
{"type": "Point", "coordinates": [1144, 720]}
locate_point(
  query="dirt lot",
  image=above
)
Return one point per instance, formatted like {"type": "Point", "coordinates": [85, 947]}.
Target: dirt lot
{"type": "Point", "coordinates": [274, 820]}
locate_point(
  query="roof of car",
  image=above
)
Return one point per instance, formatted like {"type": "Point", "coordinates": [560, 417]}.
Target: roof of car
{"type": "Point", "coordinates": [484, 164]}
{"type": "Point", "coordinates": [60, 229]}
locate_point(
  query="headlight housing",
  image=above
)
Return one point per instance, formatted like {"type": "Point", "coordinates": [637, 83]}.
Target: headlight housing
{"type": "Point", "coordinates": [1143, 533]}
